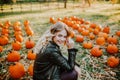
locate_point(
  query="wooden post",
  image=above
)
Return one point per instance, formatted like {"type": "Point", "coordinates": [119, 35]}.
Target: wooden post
{"type": "Point", "coordinates": [2, 8]}
{"type": "Point", "coordinates": [65, 3]}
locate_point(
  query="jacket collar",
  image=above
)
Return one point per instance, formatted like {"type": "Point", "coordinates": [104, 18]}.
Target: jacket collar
{"type": "Point", "coordinates": [53, 43]}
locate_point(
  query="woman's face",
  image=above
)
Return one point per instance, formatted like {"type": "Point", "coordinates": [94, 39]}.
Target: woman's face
{"type": "Point", "coordinates": [60, 37]}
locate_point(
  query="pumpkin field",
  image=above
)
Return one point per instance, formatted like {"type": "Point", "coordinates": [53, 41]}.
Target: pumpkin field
{"type": "Point", "coordinates": [95, 31]}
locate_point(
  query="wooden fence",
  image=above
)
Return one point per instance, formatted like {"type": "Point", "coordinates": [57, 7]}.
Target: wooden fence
{"type": "Point", "coordinates": [36, 6]}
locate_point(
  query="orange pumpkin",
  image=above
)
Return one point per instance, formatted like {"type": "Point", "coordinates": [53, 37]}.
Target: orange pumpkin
{"type": "Point", "coordinates": [31, 55]}
{"type": "Point", "coordinates": [5, 31]}
{"type": "Point", "coordinates": [1, 25]}
{"type": "Point", "coordinates": [26, 23]}
{"type": "Point", "coordinates": [17, 23]}
{"type": "Point", "coordinates": [106, 29]}
{"type": "Point", "coordinates": [19, 38]}
{"type": "Point", "coordinates": [96, 51]}
{"type": "Point", "coordinates": [102, 34]}
{"type": "Point", "coordinates": [96, 31]}
{"type": "Point", "coordinates": [75, 26]}
{"type": "Point", "coordinates": [52, 20]}
{"type": "Point", "coordinates": [113, 61]}
{"type": "Point", "coordinates": [87, 45]}
{"type": "Point", "coordinates": [29, 44]}
{"type": "Point", "coordinates": [80, 29]}
{"type": "Point", "coordinates": [29, 31]}
{"type": "Point", "coordinates": [3, 40]}
{"type": "Point", "coordinates": [112, 49]}
{"type": "Point", "coordinates": [16, 71]}
{"type": "Point", "coordinates": [79, 38]}
{"type": "Point", "coordinates": [1, 48]}
{"type": "Point", "coordinates": [112, 39]}
{"type": "Point", "coordinates": [93, 25]}
{"type": "Point", "coordinates": [17, 28]}
{"type": "Point", "coordinates": [16, 33]}
{"type": "Point", "coordinates": [100, 41]}
{"type": "Point", "coordinates": [7, 23]}
{"type": "Point", "coordinates": [13, 56]}
{"type": "Point", "coordinates": [81, 20]}
{"type": "Point", "coordinates": [87, 22]}
{"type": "Point", "coordinates": [91, 36]}
{"type": "Point", "coordinates": [30, 70]}
{"type": "Point", "coordinates": [118, 33]}
{"type": "Point", "coordinates": [16, 45]}
{"type": "Point", "coordinates": [72, 34]}
{"type": "Point", "coordinates": [85, 32]}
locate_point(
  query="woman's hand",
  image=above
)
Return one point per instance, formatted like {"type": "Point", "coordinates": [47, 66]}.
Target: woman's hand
{"type": "Point", "coordinates": [70, 43]}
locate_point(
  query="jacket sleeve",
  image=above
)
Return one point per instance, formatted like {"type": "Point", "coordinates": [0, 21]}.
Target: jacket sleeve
{"type": "Point", "coordinates": [72, 56]}
{"type": "Point", "coordinates": [59, 60]}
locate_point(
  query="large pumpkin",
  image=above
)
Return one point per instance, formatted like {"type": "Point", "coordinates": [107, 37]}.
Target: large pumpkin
{"type": "Point", "coordinates": [13, 56]}
{"type": "Point", "coordinates": [112, 61]}
{"type": "Point", "coordinates": [16, 71]}
{"type": "Point", "coordinates": [112, 49]}
{"type": "Point", "coordinates": [96, 51]}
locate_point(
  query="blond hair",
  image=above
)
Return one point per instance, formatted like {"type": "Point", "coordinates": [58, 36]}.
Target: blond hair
{"type": "Point", "coordinates": [48, 35]}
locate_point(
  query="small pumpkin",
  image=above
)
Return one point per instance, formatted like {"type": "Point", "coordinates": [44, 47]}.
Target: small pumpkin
{"type": "Point", "coordinates": [85, 32]}
{"type": "Point", "coordinates": [3, 40]}
{"type": "Point", "coordinates": [17, 28]}
{"type": "Point", "coordinates": [29, 31]}
{"type": "Point", "coordinates": [96, 51]}
{"type": "Point", "coordinates": [96, 31]}
{"type": "Point", "coordinates": [113, 61]}
{"type": "Point", "coordinates": [1, 48]}
{"type": "Point", "coordinates": [112, 39]}
{"type": "Point", "coordinates": [7, 23]}
{"type": "Point", "coordinates": [31, 55]}
{"type": "Point", "coordinates": [26, 23]}
{"type": "Point", "coordinates": [13, 56]}
{"type": "Point", "coordinates": [4, 31]}
{"type": "Point", "coordinates": [102, 34]}
{"type": "Point", "coordinates": [19, 38]}
{"type": "Point", "coordinates": [112, 49]}
{"type": "Point", "coordinates": [118, 33]}
{"type": "Point", "coordinates": [16, 45]}
{"type": "Point", "coordinates": [93, 25]}
{"type": "Point", "coordinates": [16, 71]}
{"type": "Point", "coordinates": [30, 70]}
{"type": "Point", "coordinates": [17, 23]}
{"type": "Point", "coordinates": [29, 44]}
{"type": "Point", "coordinates": [80, 29]}
{"type": "Point", "coordinates": [75, 26]}
{"type": "Point", "coordinates": [91, 36]}
{"type": "Point", "coordinates": [79, 38]}
{"type": "Point", "coordinates": [52, 20]}
{"type": "Point", "coordinates": [72, 34]}
{"type": "Point", "coordinates": [106, 29]}
{"type": "Point", "coordinates": [87, 45]}
{"type": "Point", "coordinates": [100, 41]}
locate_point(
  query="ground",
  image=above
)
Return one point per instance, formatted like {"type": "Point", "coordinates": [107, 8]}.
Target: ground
{"type": "Point", "coordinates": [99, 13]}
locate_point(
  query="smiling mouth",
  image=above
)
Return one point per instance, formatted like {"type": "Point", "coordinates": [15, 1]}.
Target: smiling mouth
{"type": "Point", "coordinates": [60, 42]}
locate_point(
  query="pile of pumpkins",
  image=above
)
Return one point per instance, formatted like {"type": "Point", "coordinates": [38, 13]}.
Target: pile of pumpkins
{"type": "Point", "coordinates": [13, 35]}
{"type": "Point", "coordinates": [93, 37]}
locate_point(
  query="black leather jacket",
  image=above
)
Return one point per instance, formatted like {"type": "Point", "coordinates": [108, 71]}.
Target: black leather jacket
{"type": "Point", "coordinates": [50, 63]}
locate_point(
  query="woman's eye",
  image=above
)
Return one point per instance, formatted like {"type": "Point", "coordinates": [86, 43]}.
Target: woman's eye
{"type": "Point", "coordinates": [59, 35]}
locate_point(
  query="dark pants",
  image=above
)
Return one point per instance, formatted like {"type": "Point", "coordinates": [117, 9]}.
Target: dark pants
{"type": "Point", "coordinates": [73, 75]}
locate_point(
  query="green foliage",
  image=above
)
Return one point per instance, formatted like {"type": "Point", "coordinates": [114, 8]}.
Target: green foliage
{"type": "Point", "coordinates": [5, 1]}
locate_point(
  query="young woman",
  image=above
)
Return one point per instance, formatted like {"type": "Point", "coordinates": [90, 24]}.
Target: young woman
{"type": "Point", "coordinates": [50, 64]}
